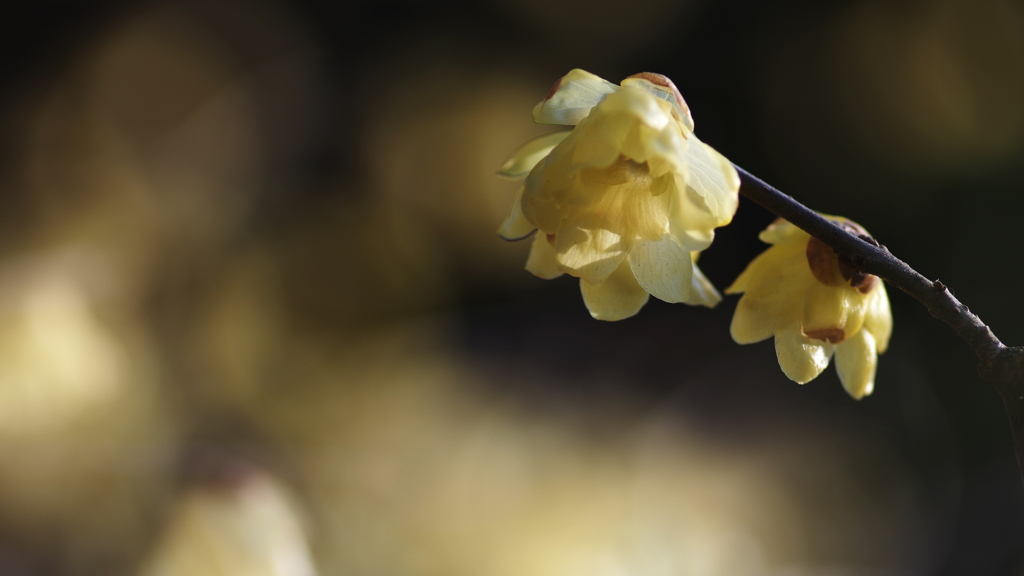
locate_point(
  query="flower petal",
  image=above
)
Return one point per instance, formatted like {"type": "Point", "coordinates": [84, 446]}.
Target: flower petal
{"type": "Point", "coordinates": [714, 178]}
{"type": "Point", "coordinates": [589, 254]}
{"type": "Point", "coordinates": [878, 316]}
{"type": "Point", "coordinates": [541, 262]}
{"type": "Point", "coordinates": [801, 358]}
{"type": "Point", "coordinates": [663, 268]}
{"type": "Point", "coordinates": [856, 359]}
{"type": "Point", "coordinates": [702, 291]}
{"type": "Point", "coordinates": [523, 159]}
{"type": "Point", "coordinates": [783, 231]}
{"type": "Point", "coordinates": [572, 98]}
{"type": "Point", "coordinates": [665, 89]}
{"type": "Point", "coordinates": [516, 226]}
{"type": "Point", "coordinates": [618, 297]}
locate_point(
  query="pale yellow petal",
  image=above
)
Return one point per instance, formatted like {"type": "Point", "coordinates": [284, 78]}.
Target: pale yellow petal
{"type": "Point", "coordinates": [715, 179]}
{"type": "Point", "coordinates": [691, 223]}
{"type": "Point", "coordinates": [591, 255]}
{"type": "Point", "coordinates": [829, 308]}
{"type": "Point", "coordinates": [541, 262]}
{"type": "Point", "coordinates": [702, 291]}
{"type": "Point", "coordinates": [669, 94]}
{"type": "Point", "coordinates": [663, 268]}
{"type": "Point", "coordinates": [573, 96]}
{"type": "Point", "coordinates": [752, 321]}
{"type": "Point", "coordinates": [878, 317]}
{"type": "Point", "coordinates": [516, 226]}
{"type": "Point", "coordinates": [523, 159]}
{"type": "Point", "coordinates": [856, 359]}
{"type": "Point", "coordinates": [783, 231]}
{"type": "Point", "coordinates": [618, 297]}
{"type": "Point", "coordinates": [801, 358]}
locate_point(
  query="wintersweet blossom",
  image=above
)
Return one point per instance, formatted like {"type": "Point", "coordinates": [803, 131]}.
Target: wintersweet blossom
{"type": "Point", "coordinates": [815, 303]}
{"type": "Point", "coordinates": [626, 199]}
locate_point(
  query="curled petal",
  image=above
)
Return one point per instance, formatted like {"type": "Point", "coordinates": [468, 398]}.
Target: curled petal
{"type": "Point", "coordinates": [541, 262]}
{"type": "Point", "coordinates": [516, 226]}
{"type": "Point", "coordinates": [523, 159]}
{"type": "Point", "coordinates": [618, 296]}
{"type": "Point", "coordinates": [702, 291]}
{"type": "Point", "coordinates": [663, 268]}
{"type": "Point", "coordinates": [856, 359]}
{"type": "Point", "coordinates": [878, 317]}
{"type": "Point", "coordinates": [589, 254]}
{"type": "Point", "coordinates": [714, 178]}
{"type": "Point", "coordinates": [572, 98]}
{"type": "Point", "coordinates": [801, 358]}
{"type": "Point", "coordinates": [691, 223]}
{"type": "Point", "coordinates": [665, 89]}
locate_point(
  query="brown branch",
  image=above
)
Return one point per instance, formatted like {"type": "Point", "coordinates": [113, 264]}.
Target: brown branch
{"type": "Point", "coordinates": [1001, 365]}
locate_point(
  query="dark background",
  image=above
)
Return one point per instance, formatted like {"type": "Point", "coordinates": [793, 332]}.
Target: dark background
{"type": "Point", "coordinates": [903, 116]}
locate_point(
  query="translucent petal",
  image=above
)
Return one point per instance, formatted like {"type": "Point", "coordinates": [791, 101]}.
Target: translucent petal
{"type": "Point", "coordinates": [663, 268]}
{"type": "Point", "coordinates": [523, 159]}
{"type": "Point", "coordinates": [541, 262]}
{"type": "Point", "coordinates": [713, 177]}
{"type": "Point", "coordinates": [856, 359]}
{"type": "Point", "coordinates": [638, 104]}
{"type": "Point", "coordinates": [702, 291]}
{"type": "Point", "coordinates": [828, 308]}
{"type": "Point", "coordinates": [572, 98]}
{"type": "Point", "coordinates": [618, 297]}
{"type": "Point", "coordinates": [516, 226]}
{"type": "Point", "coordinates": [878, 316]}
{"type": "Point", "coordinates": [591, 255]}
{"type": "Point", "coordinates": [668, 93]}
{"type": "Point", "coordinates": [751, 322]}
{"type": "Point", "coordinates": [782, 231]}
{"type": "Point", "coordinates": [801, 358]}
{"type": "Point", "coordinates": [691, 224]}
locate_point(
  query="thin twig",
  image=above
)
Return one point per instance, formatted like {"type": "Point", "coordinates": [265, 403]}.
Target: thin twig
{"type": "Point", "coordinates": [1001, 365]}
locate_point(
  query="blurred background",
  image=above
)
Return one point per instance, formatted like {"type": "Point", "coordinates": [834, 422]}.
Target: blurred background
{"type": "Point", "coordinates": [256, 319]}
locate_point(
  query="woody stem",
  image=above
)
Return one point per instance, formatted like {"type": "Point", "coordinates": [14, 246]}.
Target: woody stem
{"type": "Point", "coordinates": [1001, 365]}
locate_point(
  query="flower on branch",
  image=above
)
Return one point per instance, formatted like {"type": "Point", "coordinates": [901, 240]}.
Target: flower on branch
{"type": "Point", "coordinates": [626, 199]}
{"type": "Point", "coordinates": [815, 303]}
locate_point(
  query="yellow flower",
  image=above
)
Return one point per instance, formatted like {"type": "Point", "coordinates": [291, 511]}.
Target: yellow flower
{"type": "Point", "coordinates": [626, 199]}
{"type": "Point", "coordinates": [815, 303]}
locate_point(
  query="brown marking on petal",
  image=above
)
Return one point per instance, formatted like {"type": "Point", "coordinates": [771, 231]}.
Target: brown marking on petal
{"type": "Point", "coordinates": [551, 239]}
{"type": "Point", "coordinates": [664, 82]}
{"type": "Point", "coordinates": [823, 262]}
{"type": "Point", "coordinates": [830, 335]}
{"type": "Point", "coordinates": [554, 88]}
{"type": "Point", "coordinates": [864, 283]}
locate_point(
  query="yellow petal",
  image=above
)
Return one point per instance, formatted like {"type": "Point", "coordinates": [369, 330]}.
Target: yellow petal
{"type": "Point", "coordinates": [663, 268]}
{"type": "Point", "coordinates": [691, 223]}
{"type": "Point", "coordinates": [878, 316]}
{"type": "Point", "coordinates": [591, 255]}
{"type": "Point", "coordinates": [752, 321]}
{"type": "Point", "coordinates": [856, 359]}
{"type": "Point", "coordinates": [715, 179]}
{"type": "Point", "coordinates": [783, 231]}
{"type": "Point", "coordinates": [541, 262]}
{"type": "Point", "coordinates": [801, 358]}
{"type": "Point", "coordinates": [668, 93]}
{"type": "Point", "coordinates": [618, 297]}
{"type": "Point", "coordinates": [523, 159]}
{"type": "Point", "coordinates": [832, 307]}
{"type": "Point", "coordinates": [702, 291]}
{"type": "Point", "coordinates": [516, 226]}
{"type": "Point", "coordinates": [573, 96]}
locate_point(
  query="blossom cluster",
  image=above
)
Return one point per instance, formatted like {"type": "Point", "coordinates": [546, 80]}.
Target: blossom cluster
{"type": "Point", "coordinates": [627, 198]}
